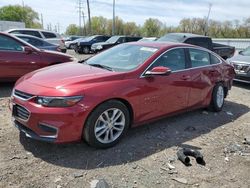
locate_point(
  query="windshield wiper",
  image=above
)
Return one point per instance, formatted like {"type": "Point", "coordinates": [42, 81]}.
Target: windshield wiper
{"type": "Point", "coordinates": [101, 66]}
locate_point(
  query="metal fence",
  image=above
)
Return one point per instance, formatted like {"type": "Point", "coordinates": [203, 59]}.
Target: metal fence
{"type": "Point", "coordinates": [6, 25]}
{"type": "Point", "coordinates": [239, 44]}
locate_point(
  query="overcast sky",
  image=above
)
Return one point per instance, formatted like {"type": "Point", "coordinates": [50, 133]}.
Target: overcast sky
{"type": "Point", "coordinates": [170, 12]}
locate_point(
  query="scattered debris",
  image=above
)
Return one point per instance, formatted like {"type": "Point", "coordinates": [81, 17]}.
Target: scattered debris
{"type": "Point", "coordinates": [99, 164]}
{"type": "Point", "coordinates": [99, 184]}
{"type": "Point", "coordinates": [173, 172]}
{"type": "Point", "coordinates": [247, 140]}
{"type": "Point", "coordinates": [183, 154]}
{"type": "Point", "coordinates": [78, 175]}
{"type": "Point", "coordinates": [171, 167]}
{"type": "Point", "coordinates": [205, 112]}
{"type": "Point", "coordinates": [180, 180]}
{"type": "Point", "coordinates": [229, 113]}
{"type": "Point", "coordinates": [226, 159]}
{"type": "Point", "coordinates": [15, 157]}
{"type": "Point", "coordinates": [190, 129]}
{"type": "Point", "coordinates": [233, 148]}
{"type": "Point", "coordinates": [57, 179]}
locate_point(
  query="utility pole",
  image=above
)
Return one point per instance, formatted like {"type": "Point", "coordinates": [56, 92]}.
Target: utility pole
{"type": "Point", "coordinates": [58, 27]}
{"type": "Point", "coordinates": [80, 15]}
{"type": "Point", "coordinates": [23, 12]}
{"type": "Point", "coordinates": [42, 20]}
{"type": "Point", "coordinates": [113, 24]}
{"type": "Point", "coordinates": [84, 24]}
{"type": "Point", "coordinates": [89, 17]}
{"type": "Point", "coordinates": [207, 20]}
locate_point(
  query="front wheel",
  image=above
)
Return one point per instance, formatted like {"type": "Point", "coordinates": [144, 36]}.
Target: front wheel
{"type": "Point", "coordinates": [86, 50]}
{"type": "Point", "coordinates": [218, 97]}
{"type": "Point", "coordinates": [107, 124]}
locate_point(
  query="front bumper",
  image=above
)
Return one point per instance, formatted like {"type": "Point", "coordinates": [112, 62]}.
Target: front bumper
{"type": "Point", "coordinates": [58, 125]}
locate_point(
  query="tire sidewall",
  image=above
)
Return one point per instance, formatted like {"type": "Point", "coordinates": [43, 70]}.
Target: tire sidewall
{"type": "Point", "coordinates": [214, 103]}
{"type": "Point", "coordinates": [86, 50]}
{"type": "Point", "coordinates": [89, 127]}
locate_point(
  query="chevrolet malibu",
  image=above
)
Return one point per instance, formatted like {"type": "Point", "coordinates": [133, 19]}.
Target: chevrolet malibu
{"type": "Point", "coordinates": [125, 86]}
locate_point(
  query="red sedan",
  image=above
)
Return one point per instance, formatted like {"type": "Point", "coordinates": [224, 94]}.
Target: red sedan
{"type": "Point", "coordinates": [125, 86]}
{"type": "Point", "coordinates": [18, 57]}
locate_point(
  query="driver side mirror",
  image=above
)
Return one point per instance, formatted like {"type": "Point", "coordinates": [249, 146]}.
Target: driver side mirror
{"type": "Point", "coordinates": [28, 50]}
{"type": "Point", "coordinates": [159, 71]}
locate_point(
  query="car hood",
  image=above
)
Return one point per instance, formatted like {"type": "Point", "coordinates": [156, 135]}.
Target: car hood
{"type": "Point", "coordinates": [240, 59]}
{"type": "Point", "coordinates": [69, 75]}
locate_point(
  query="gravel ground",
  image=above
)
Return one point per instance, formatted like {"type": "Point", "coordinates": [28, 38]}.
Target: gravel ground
{"type": "Point", "coordinates": [146, 157]}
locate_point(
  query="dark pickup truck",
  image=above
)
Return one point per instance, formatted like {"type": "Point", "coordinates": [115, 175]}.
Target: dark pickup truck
{"type": "Point", "coordinates": [206, 42]}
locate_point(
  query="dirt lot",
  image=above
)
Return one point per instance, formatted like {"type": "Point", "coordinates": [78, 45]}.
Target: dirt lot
{"type": "Point", "coordinates": [142, 158]}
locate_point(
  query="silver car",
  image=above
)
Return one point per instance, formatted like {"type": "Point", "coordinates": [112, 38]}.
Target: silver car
{"type": "Point", "coordinates": [241, 63]}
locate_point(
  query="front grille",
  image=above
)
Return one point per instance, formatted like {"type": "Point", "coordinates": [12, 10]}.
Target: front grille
{"type": "Point", "coordinates": [22, 95]}
{"type": "Point", "coordinates": [21, 112]}
{"type": "Point", "coordinates": [242, 67]}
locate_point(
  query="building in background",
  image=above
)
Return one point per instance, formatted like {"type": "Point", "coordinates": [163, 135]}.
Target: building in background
{"type": "Point", "coordinates": [6, 25]}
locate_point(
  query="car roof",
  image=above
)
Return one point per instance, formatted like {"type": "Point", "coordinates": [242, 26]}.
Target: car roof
{"type": "Point", "coordinates": [156, 44]}
{"type": "Point", "coordinates": [30, 29]}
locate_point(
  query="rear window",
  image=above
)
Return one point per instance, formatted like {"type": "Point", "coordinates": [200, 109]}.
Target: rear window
{"type": "Point", "coordinates": [49, 35]}
{"type": "Point", "coordinates": [214, 60]}
{"type": "Point", "coordinates": [199, 58]}
{"type": "Point", "coordinates": [27, 32]}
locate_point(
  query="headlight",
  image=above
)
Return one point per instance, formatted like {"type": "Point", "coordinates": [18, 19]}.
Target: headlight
{"type": "Point", "coordinates": [99, 47]}
{"type": "Point", "coordinates": [58, 101]}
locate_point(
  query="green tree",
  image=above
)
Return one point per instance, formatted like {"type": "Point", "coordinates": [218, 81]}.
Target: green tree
{"type": "Point", "coordinates": [72, 29]}
{"type": "Point", "coordinates": [20, 14]}
{"type": "Point", "coordinates": [152, 27]}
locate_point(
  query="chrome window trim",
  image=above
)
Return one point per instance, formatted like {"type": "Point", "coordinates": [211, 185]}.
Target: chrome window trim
{"type": "Point", "coordinates": [185, 47]}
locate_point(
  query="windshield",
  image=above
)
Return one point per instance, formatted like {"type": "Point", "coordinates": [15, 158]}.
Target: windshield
{"type": "Point", "coordinates": [89, 38]}
{"type": "Point", "coordinates": [246, 52]}
{"type": "Point", "coordinates": [122, 58]}
{"type": "Point", "coordinates": [113, 39]}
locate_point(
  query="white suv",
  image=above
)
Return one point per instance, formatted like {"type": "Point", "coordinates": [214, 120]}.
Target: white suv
{"type": "Point", "coordinates": [48, 36]}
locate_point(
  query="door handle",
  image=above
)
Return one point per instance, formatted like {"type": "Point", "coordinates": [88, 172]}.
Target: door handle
{"type": "Point", "coordinates": [185, 77]}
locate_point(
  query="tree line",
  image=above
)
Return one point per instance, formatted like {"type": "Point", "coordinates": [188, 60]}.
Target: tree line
{"type": "Point", "coordinates": [155, 28]}
{"type": "Point", "coordinates": [151, 27]}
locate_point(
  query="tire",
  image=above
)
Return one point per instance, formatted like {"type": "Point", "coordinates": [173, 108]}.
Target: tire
{"type": "Point", "coordinates": [218, 97]}
{"type": "Point", "coordinates": [86, 50]}
{"type": "Point", "coordinates": [100, 124]}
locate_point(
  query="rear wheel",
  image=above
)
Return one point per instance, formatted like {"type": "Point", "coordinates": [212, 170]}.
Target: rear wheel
{"type": "Point", "coordinates": [218, 97]}
{"type": "Point", "coordinates": [107, 124]}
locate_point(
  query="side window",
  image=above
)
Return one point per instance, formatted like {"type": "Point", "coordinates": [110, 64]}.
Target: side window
{"type": "Point", "coordinates": [214, 60]}
{"type": "Point", "coordinates": [32, 33]}
{"type": "Point", "coordinates": [9, 44]}
{"type": "Point", "coordinates": [121, 40]}
{"type": "Point", "coordinates": [49, 35]}
{"type": "Point", "coordinates": [199, 58]}
{"type": "Point", "coordinates": [203, 42]}
{"type": "Point", "coordinates": [174, 59]}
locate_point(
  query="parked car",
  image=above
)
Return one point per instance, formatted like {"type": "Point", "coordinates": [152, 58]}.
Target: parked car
{"type": "Point", "coordinates": [73, 37]}
{"type": "Point", "coordinates": [73, 44]}
{"type": "Point", "coordinates": [204, 41]}
{"type": "Point", "coordinates": [48, 36]}
{"type": "Point", "coordinates": [18, 57]}
{"type": "Point", "coordinates": [115, 40]}
{"type": "Point", "coordinates": [124, 86]}
{"type": "Point", "coordinates": [241, 63]}
{"type": "Point", "coordinates": [84, 46]}
{"type": "Point", "coordinates": [39, 43]}
{"type": "Point", "coordinates": [147, 39]}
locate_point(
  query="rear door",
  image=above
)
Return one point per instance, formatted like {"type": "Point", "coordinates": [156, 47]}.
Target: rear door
{"type": "Point", "coordinates": [14, 62]}
{"type": "Point", "coordinates": [203, 76]}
